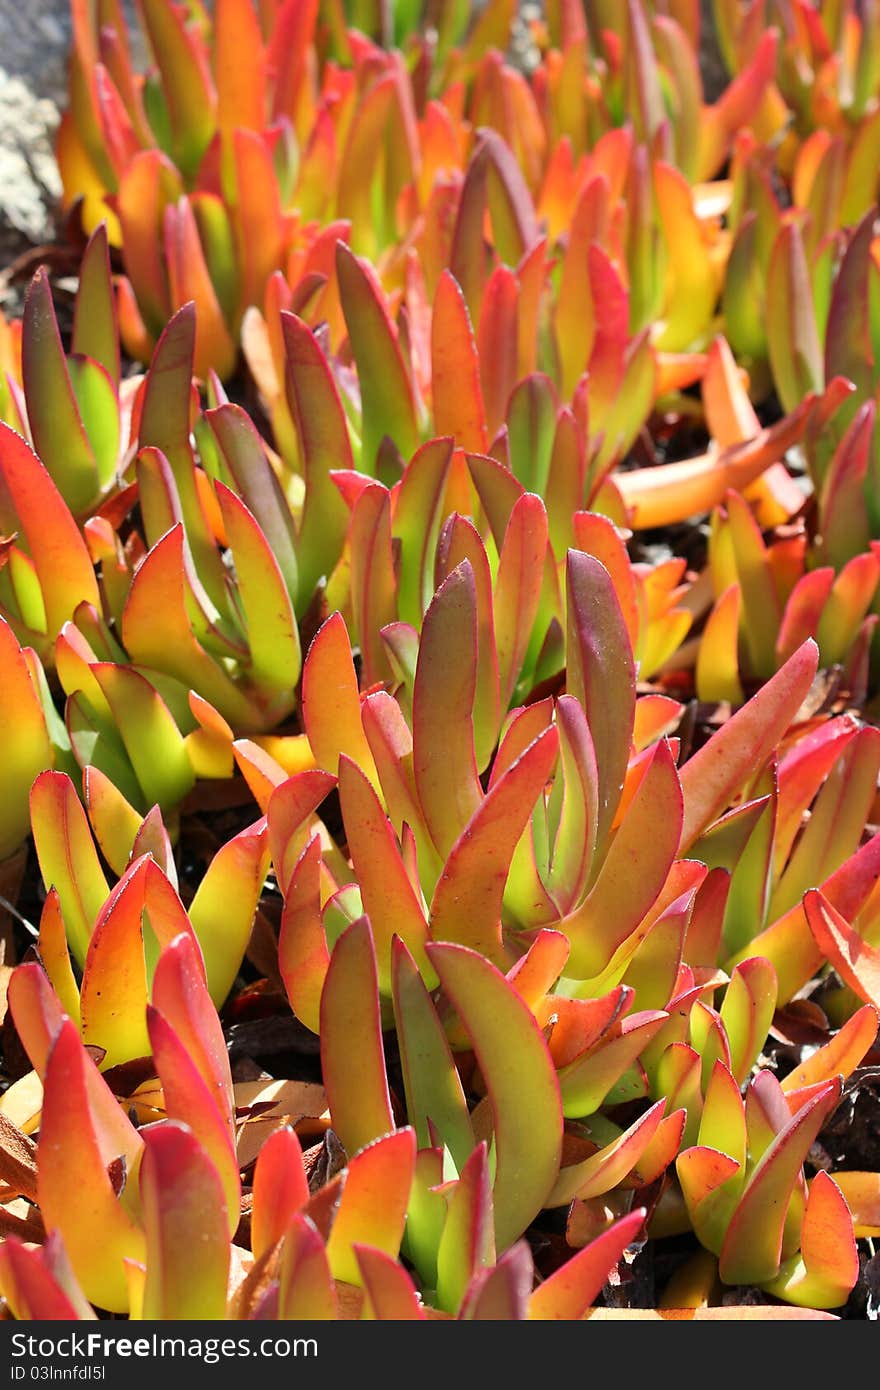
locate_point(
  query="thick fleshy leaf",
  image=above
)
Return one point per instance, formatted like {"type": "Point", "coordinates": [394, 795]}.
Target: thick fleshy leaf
{"type": "Point", "coordinates": [54, 543]}
{"type": "Point", "coordinates": [855, 960]}
{"type": "Point", "coordinates": [752, 1246]}
{"type": "Point", "coordinates": [289, 815]}
{"type": "Point", "coordinates": [838, 1057]}
{"type": "Point", "coordinates": [788, 942]}
{"type": "Point", "coordinates": [846, 521]}
{"type": "Point", "coordinates": [459, 543]}
{"type": "Point", "coordinates": [149, 732]}
{"type": "Point", "coordinates": [222, 911]}
{"type": "Point", "coordinates": [849, 600]}
{"type": "Point", "coordinates": [54, 955]}
{"type": "Point", "coordinates": [497, 345]}
{"type": "Point", "coordinates": [586, 1081]}
{"type": "Point", "coordinates": [352, 1057]}
{"type": "Point", "coordinates": [160, 587]}
{"type": "Point", "coordinates": [736, 105]}
{"type": "Point", "coordinates": [115, 983]}
{"type": "Point", "coordinates": [633, 873]}
{"type": "Point", "coordinates": [71, 1160]}
{"type": "Point", "coordinates": [518, 588]}
{"type": "Point", "coordinates": [747, 1012]}
{"type": "Point", "coordinates": [238, 65]}
{"type": "Point", "coordinates": [435, 1099]}
{"type": "Point", "coordinates": [602, 1171]}
{"type": "Point", "coordinates": [95, 329]}
{"type": "Point", "coordinates": [792, 334]}
{"type": "Point", "coordinates": [187, 1245]}
{"type": "Point", "coordinates": [862, 1193]}
{"type": "Point", "coordinates": [180, 994]}
{"type": "Point", "coordinates": [36, 1012]}
{"type": "Point", "coordinates": [30, 752]}
{"type": "Point", "coordinates": [443, 700]}
{"type": "Point", "coordinates": [38, 1283]}
{"type": "Point", "coordinates": [280, 1188]}
{"type": "Point", "coordinates": [56, 424]}
{"type": "Point", "coordinates": [498, 490]}
{"type": "Point", "coordinates": [324, 443]}
{"type": "Point", "coordinates": [390, 901]}
{"type": "Point", "coordinates": [390, 741]}
{"type": "Point", "coordinates": [372, 1208]}
{"type": "Point", "coordinates": [68, 860]}
{"type": "Point", "coordinates": [455, 370]}
{"type": "Point", "coordinates": [660, 496]}
{"type": "Point", "coordinates": [601, 674]}
{"type": "Point", "coordinates": [466, 906]}
{"type": "Point", "coordinates": [575, 841]}
{"type": "Point", "coordinates": [718, 770]}
{"type": "Point", "coordinates": [259, 769]}
{"type": "Point", "coordinates": [372, 579]}
{"type": "Point", "coordinates": [571, 1289]}
{"type": "Point", "coordinates": [825, 1273]}
{"type": "Point", "coordinates": [256, 484]}
{"type": "Point", "coordinates": [186, 83]}
{"type": "Point", "coordinates": [416, 526]}
{"type": "Point", "coordinates": [272, 633]}
{"type": "Point", "coordinates": [114, 821]}
{"type": "Point", "coordinates": [847, 333]}
{"type": "Point", "coordinates": [303, 958]}
{"type": "Point", "coordinates": [501, 1292]}
{"type": "Point", "coordinates": [468, 1240]}
{"type": "Point", "coordinates": [165, 425]}
{"type": "Point", "coordinates": [387, 402]}
{"type": "Point", "coordinates": [689, 268]}
{"type": "Point", "coordinates": [331, 703]}
{"type": "Point", "coordinates": [837, 819]}
{"type": "Point", "coordinates": [653, 971]}
{"type": "Point", "coordinates": [307, 1292]}
{"type": "Point", "coordinates": [802, 770]}
{"type": "Point", "coordinates": [187, 1094]}
{"type": "Point", "coordinates": [258, 216]}
{"type": "Point", "coordinates": [520, 1081]}
{"type": "Point", "coordinates": [580, 1023]}
{"type": "Point", "coordinates": [146, 187]}
{"type": "Point", "coordinates": [390, 1293]}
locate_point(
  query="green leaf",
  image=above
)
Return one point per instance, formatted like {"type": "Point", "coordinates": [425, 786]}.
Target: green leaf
{"type": "Point", "coordinates": [188, 1250]}
{"type": "Point", "coordinates": [434, 1095]}
{"type": "Point", "coordinates": [633, 872]}
{"type": "Point", "coordinates": [467, 1244]}
{"type": "Point", "coordinates": [444, 760]}
{"type": "Point", "coordinates": [601, 674]}
{"type": "Point", "coordinates": [752, 1248]}
{"type": "Point", "coordinates": [58, 432]}
{"type": "Point", "coordinates": [272, 632]}
{"type": "Point", "coordinates": [466, 906]}
{"type": "Point", "coordinates": [67, 856]}
{"type": "Point", "coordinates": [389, 898]}
{"type": "Point", "coordinates": [520, 1081]}
{"type": "Point", "coordinates": [352, 1057]}
{"type": "Point", "coordinates": [314, 402]}
{"type": "Point", "coordinates": [714, 775]}
{"type": "Point", "coordinates": [387, 400]}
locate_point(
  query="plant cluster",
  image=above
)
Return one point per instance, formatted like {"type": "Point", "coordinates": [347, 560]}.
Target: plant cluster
{"type": "Point", "coordinates": [343, 519]}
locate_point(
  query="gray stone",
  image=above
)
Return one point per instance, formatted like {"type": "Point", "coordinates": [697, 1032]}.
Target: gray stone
{"type": "Point", "coordinates": [34, 42]}
{"type": "Point", "coordinates": [33, 45]}
{"type": "Point", "coordinates": [29, 183]}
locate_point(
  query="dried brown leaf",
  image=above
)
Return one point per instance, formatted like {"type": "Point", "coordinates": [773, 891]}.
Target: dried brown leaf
{"type": "Point", "coordinates": [18, 1159]}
